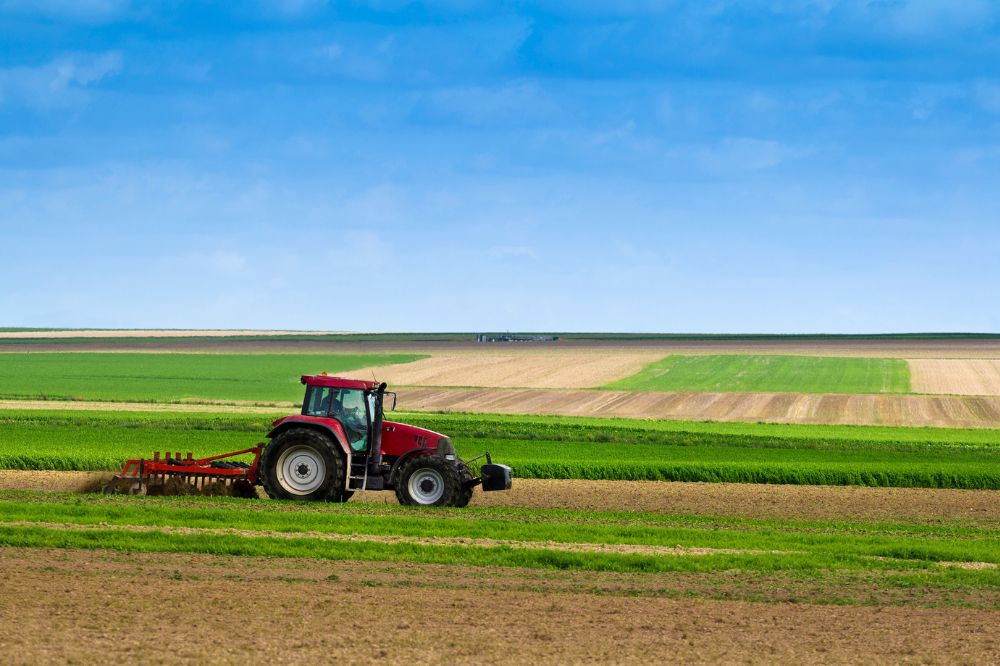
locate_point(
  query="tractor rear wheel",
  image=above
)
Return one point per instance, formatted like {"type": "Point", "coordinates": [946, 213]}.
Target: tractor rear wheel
{"type": "Point", "coordinates": [430, 480]}
{"type": "Point", "coordinates": [302, 464]}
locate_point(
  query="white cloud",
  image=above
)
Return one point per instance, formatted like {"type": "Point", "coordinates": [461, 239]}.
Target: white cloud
{"type": "Point", "coordinates": [744, 154]}
{"type": "Point", "coordinates": [928, 17]}
{"type": "Point", "coordinates": [987, 93]}
{"type": "Point", "coordinates": [82, 11]}
{"type": "Point", "coordinates": [226, 263]}
{"type": "Point", "coordinates": [331, 51]}
{"type": "Point", "coordinates": [290, 8]}
{"type": "Point", "coordinates": [59, 82]}
{"type": "Point", "coordinates": [516, 101]}
{"type": "Point", "coordinates": [514, 252]}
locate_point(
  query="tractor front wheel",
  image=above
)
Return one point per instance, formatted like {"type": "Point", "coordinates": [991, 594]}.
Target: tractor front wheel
{"type": "Point", "coordinates": [430, 480]}
{"type": "Point", "coordinates": [302, 464]}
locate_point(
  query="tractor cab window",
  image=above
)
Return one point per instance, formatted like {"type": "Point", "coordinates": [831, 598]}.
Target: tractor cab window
{"type": "Point", "coordinates": [345, 405]}
{"type": "Point", "coordinates": [317, 401]}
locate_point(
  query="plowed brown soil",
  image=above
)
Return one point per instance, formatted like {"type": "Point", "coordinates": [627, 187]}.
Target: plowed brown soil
{"type": "Point", "coordinates": [529, 368]}
{"type": "Point", "coordinates": [92, 607]}
{"type": "Point", "coordinates": [709, 499]}
{"type": "Point", "coordinates": [151, 333]}
{"type": "Point", "coordinates": [898, 410]}
{"type": "Point", "coordinates": [955, 376]}
{"type": "Point", "coordinates": [954, 348]}
{"type": "Point", "coordinates": [87, 405]}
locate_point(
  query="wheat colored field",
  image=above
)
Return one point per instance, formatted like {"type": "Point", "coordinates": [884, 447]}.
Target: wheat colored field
{"type": "Point", "coordinates": [529, 368]}
{"type": "Point", "coordinates": [968, 368]}
{"type": "Point", "coordinates": [152, 333]}
{"type": "Point", "coordinates": [895, 410]}
{"type": "Point", "coordinates": [955, 376]}
{"type": "Point", "coordinates": [81, 606]}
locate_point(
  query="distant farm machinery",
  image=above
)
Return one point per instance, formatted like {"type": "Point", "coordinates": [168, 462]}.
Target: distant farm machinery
{"type": "Point", "coordinates": [339, 444]}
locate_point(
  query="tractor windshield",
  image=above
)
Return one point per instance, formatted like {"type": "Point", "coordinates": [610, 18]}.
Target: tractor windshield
{"type": "Point", "coordinates": [345, 405]}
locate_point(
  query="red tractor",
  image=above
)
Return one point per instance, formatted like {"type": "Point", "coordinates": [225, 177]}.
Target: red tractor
{"type": "Point", "coordinates": [338, 445]}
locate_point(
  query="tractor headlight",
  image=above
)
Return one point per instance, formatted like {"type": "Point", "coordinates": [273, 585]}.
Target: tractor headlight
{"type": "Point", "coordinates": [445, 447]}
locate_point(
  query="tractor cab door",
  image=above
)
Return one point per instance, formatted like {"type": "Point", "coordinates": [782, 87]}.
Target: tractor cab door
{"type": "Point", "coordinates": [350, 408]}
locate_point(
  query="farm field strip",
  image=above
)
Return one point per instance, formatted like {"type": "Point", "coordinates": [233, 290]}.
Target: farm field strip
{"type": "Point", "coordinates": [57, 596]}
{"type": "Point", "coordinates": [527, 368]}
{"type": "Point", "coordinates": [746, 373]}
{"type": "Point", "coordinates": [910, 506]}
{"type": "Point", "coordinates": [491, 537]}
{"type": "Point", "coordinates": [536, 449]}
{"type": "Point", "coordinates": [172, 377]}
{"type": "Point", "coordinates": [837, 409]}
{"type": "Point", "coordinates": [113, 333]}
{"type": "Point", "coordinates": [956, 376]}
{"type": "Point", "coordinates": [891, 411]}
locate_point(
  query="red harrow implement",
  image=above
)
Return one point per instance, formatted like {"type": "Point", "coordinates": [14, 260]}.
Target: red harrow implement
{"type": "Point", "coordinates": [175, 475]}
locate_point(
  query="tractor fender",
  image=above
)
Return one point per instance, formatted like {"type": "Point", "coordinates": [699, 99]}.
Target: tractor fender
{"type": "Point", "coordinates": [401, 460]}
{"type": "Point", "coordinates": [328, 427]}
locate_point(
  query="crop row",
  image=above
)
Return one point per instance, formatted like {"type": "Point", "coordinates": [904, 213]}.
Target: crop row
{"type": "Point", "coordinates": [789, 543]}
{"type": "Point", "coordinates": [551, 428]}
{"type": "Point", "coordinates": [770, 372]}
{"type": "Point", "coordinates": [172, 377]}
{"type": "Point", "coordinates": [102, 441]}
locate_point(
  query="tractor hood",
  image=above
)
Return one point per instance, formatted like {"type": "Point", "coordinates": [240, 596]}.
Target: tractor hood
{"type": "Point", "coordinates": [398, 438]}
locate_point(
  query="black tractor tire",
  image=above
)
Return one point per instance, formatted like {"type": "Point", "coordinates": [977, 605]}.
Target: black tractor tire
{"type": "Point", "coordinates": [320, 474]}
{"type": "Point", "coordinates": [436, 482]}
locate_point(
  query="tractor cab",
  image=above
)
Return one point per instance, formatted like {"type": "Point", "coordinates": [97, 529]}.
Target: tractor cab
{"type": "Point", "coordinates": [356, 405]}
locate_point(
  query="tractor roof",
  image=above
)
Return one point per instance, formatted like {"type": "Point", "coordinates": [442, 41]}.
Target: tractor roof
{"type": "Point", "coordinates": [337, 382]}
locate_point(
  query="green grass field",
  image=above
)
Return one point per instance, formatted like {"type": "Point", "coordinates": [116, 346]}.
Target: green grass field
{"type": "Point", "coordinates": [562, 448]}
{"type": "Point", "coordinates": [172, 377]}
{"type": "Point", "coordinates": [766, 373]}
{"type": "Point", "coordinates": [831, 562]}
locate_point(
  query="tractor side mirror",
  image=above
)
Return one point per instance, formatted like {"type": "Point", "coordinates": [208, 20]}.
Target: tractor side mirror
{"type": "Point", "coordinates": [393, 408]}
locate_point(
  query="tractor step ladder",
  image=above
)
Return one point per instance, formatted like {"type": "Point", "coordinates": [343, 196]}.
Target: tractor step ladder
{"type": "Point", "coordinates": [354, 476]}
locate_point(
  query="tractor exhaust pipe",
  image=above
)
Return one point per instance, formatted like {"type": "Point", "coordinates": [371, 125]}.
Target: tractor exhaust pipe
{"type": "Point", "coordinates": [375, 456]}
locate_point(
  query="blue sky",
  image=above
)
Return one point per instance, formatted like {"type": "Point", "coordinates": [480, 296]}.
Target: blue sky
{"type": "Point", "coordinates": [710, 166]}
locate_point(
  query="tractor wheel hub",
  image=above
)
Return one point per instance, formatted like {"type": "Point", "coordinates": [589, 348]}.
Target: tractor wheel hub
{"type": "Point", "coordinates": [301, 470]}
{"type": "Point", "coordinates": [426, 486]}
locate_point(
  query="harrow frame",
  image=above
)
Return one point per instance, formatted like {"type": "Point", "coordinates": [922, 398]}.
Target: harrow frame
{"type": "Point", "coordinates": [139, 474]}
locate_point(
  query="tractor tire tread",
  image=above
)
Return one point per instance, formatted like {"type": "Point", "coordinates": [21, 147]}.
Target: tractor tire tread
{"type": "Point", "coordinates": [454, 490]}
{"type": "Point", "coordinates": [329, 492]}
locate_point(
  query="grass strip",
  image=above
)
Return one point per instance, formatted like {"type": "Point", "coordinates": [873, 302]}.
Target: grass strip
{"type": "Point", "coordinates": [495, 556]}
{"type": "Point", "coordinates": [172, 377]}
{"type": "Point", "coordinates": [757, 373]}
{"type": "Point", "coordinates": [834, 543]}
{"type": "Point", "coordinates": [584, 450]}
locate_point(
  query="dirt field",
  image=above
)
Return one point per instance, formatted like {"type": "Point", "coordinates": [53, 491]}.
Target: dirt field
{"type": "Point", "coordinates": [900, 410]}
{"type": "Point", "coordinates": [956, 376]}
{"type": "Point", "coordinates": [530, 368]}
{"type": "Point", "coordinates": [234, 407]}
{"type": "Point", "coordinates": [149, 333]}
{"type": "Point", "coordinates": [857, 347]}
{"type": "Point", "coordinates": [83, 607]}
{"type": "Point", "coordinates": [708, 499]}
{"type": "Point", "coordinates": [903, 410]}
